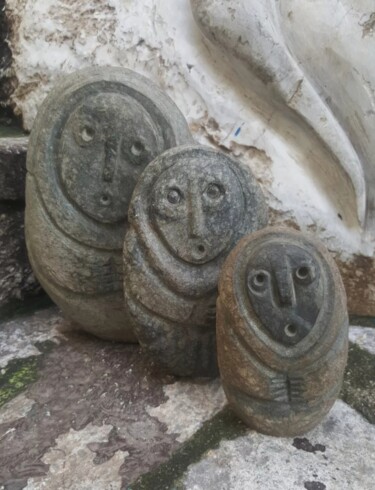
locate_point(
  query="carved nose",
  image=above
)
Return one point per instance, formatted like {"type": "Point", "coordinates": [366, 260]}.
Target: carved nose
{"type": "Point", "coordinates": [196, 218]}
{"type": "Point", "coordinates": [110, 159]}
{"type": "Point", "coordinates": [285, 287]}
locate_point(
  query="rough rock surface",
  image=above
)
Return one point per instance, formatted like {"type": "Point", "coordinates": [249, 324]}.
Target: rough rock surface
{"type": "Point", "coordinates": [339, 454]}
{"type": "Point", "coordinates": [81, 413]}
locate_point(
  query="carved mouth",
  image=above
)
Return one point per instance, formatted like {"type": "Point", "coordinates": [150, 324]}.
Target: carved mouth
{"type": "Point", "coordinates": [200, 249]}
{"type": "Point", "coordinates": [105, 200]}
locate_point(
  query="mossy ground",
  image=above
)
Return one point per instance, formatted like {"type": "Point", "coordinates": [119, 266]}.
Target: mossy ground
{"type": "Point", "coordinates": [224, 425]}
{"type": "Point", "coordinates": [359, 382]}
{"type": "Point", "coordinates": [358, 391]}
{"type": "Point", "coordinates": [16, 376]}
{"type": "Point", "coordinates": [20, 373]}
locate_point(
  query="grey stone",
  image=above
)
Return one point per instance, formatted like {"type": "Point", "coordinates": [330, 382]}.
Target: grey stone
{"type": "Point", "coordinates": [90, 415]}
{"type": "Point", "coordinates": [188, 210]}
{"type": "Point", "coordinates": [93, 136]}
{"type": "Point", "coordinates": [339, 454]}
{"type": "Point", "coordinates": [12, 168]}
{"type": "Point", "coordinates": [282, 331]}
{"type": "Point", "coordinates": [16, 277]}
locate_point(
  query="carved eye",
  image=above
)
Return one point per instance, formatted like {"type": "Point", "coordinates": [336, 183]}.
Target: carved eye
{"type": "Point", "coordinates": [174, 196]}
{"type": "Point", "coordinates": [85, 134]}
{"type": "Point", "coordinates": [259, 281]}
{"type": "Point", "coordinates": [137, 148]}
{"type": "Point", "coordinates": [214, 191]}
{"type": "Point", "coordinates": [290, 330]}
{"type": "Point", "coordinates": [304, 274]}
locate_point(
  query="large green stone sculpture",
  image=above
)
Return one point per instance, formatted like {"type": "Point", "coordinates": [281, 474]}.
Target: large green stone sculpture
{"type": "Point", "coordinates": [93, 136]}
{"type": "Point", "coordinates": [190, 207]}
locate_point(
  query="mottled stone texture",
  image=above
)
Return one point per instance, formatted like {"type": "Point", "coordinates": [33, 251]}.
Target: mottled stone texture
{"type": "Point", "coordinates": [188, 210]}
{"type": "Point", "coordinates": [93, 136]}
{"type": "Point", "coordinates": [282, 331]}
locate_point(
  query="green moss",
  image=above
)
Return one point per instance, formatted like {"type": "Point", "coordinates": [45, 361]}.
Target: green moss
{"type": "Point", "coordinates": [359, 382]}
{"type": "Point", "coordinates": [224, 425]}
{"type": "Point", "coordinates": [16, 376]}
{"type": "Point", "coordinates": [20, 373]}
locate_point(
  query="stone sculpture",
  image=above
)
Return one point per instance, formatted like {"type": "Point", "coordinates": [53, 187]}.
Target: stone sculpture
{"type": "Point", "coordinates": [189, 209]}
{"type": "Point", "coordinates": [282, 331]}
{"type": "Point", "coordinates": [93, 136]}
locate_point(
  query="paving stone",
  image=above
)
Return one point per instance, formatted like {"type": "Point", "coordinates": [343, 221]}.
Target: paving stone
{"type": "Point", "coordinates": [338, 454]}
{"type": "Point", "coordinates": [13, 168]}
{"type": "Point", "coordinates": [77, 386]}
{"type": "Point", "coordinates": [19, 337]}
{"type": "Point", "coordinates": [72, 463]}
{"type": "Point", "coordinates": [83, 413]}
{"type": "Point", "coordinates": [16, 277]}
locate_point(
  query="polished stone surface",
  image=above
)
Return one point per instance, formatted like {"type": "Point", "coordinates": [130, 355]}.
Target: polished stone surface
{"type": "Point", "coordinates": [189, 209]}
{"type": "Point", "coordinates": [282, 331]}
{"type": "Point", "coordinates": [94, 134]}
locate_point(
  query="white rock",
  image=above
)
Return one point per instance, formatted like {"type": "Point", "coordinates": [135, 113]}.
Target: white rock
{"type": "Point", "coordinates": [364, 337]}
{"type": "Point", "coordinates": [189, 404]}
{"type": "Point", "coordinates": [15, 409]}
{"type": "Point", "coordinates": [72, 467]}
{"type": "Point", "coordinates": [18, 337]}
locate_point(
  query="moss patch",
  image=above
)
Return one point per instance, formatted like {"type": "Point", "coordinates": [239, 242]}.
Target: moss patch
{"type": "Point", "coordinates": [20, 373]}
{"type": "Point", "coordinates": [359, 382]}
{"type": "Point", "coordinates": [16, 376]}
{"type": "Point", "coordinates": [224, 425]}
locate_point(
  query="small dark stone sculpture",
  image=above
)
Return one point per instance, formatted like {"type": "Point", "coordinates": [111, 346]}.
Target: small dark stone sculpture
{"type": "Point", "coordinates": [93, 136]}
{"type": "Point", "coordinates": [282, 331]}
{"type": "Point", "coordinates": [189, 209]}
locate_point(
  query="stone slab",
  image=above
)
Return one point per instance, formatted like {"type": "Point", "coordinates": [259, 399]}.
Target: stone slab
{"type": "Point", "coordinates": [338, 455]}
{"type": "Point", "coordinates": [13, 168]}
{"type": "Point", "coordinates": [95, 415]}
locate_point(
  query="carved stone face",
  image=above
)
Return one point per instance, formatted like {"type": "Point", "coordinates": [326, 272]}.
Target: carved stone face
{"type": "Point", "coordinates": [105, 144]}
{"type": "Point", "coordinates": [285, 288]}
{"type": "Point", "coordinates": [196, 209]}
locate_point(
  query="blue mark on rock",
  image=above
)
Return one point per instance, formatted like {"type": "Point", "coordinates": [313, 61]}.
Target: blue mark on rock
{"type": "Point", "coordinates": [238, 130]}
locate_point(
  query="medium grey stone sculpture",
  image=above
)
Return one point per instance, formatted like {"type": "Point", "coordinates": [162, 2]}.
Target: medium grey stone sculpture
{"type": "Point", "coordinates": [190, 207]}
{"type": "Point", "coordinates": [282, 331]}
{"type": "Point", "coordinates": [94, 134]}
